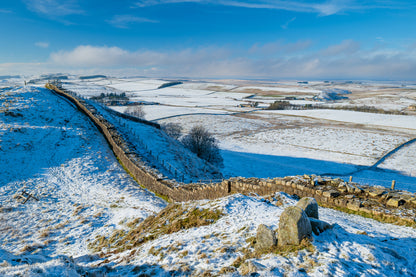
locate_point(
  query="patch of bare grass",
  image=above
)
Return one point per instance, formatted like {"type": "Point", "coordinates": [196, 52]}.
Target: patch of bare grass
{"type": "Point", "coordinates": [174, 218]}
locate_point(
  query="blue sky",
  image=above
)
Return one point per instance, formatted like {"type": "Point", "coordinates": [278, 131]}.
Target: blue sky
{"type": "Point", "coordinates": [333, 39]}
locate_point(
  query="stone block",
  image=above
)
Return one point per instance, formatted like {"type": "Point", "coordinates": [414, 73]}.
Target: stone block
{"type": "Point", "coordinates": [354, 205]}
{"type": "Point", "coordinates": [310, 206]}
{"type": "Point", "coordinates": [331, 193]}
{"type": "Point", "coordinates": [294, 225]}
{"type": "Point", "coordinates": [265, 238]}
{"type": "Point", "coordinates": [395, 202]}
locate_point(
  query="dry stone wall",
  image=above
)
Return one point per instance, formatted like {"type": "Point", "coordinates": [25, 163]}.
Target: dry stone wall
{"type": "Point", "coordinates": [383, 204]}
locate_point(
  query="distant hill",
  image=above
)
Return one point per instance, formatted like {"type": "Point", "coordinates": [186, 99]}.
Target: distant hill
{"type": "Point", "coordinates": [9, 77]}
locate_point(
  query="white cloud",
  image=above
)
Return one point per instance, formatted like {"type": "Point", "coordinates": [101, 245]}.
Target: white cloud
{"type": "Point", "coordinates": [42, 44]}
{"type": "Point", "coordinates": [346, 47]}
{"type": "Point", "coordinates": [322, 7]}
{"type": "Point", "coordinates": [123, 21]}
{"type": "Point", "coordinates": [286, 25]}
{"type": "Point", "coordinates": [87, 55]}
{"type": "Point", "coordinates": [279, 48]}
{"type": "Point", "coordinates": [346, 60]}
{"type": "Point", "coordinates": [54, 8]}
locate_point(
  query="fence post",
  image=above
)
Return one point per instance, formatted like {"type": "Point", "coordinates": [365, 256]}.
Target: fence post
{"type": "Point", "coordinates": [393, 184]}
{"type": "Point", "coordinates": [350, 179]}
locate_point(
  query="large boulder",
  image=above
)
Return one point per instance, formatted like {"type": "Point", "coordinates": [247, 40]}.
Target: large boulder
{"type": "Point", "coordinates": [319, 226]}
{"type": "Point", "coordinates": [310, 206]}
{"type": "Point", "coordinates": [265, 238]}
{"type": "Point", "coordinates": [294, 226]}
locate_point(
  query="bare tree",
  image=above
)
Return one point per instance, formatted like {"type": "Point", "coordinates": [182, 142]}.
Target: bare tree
{"type": "Point", "coordinates": [204, 145]}
{"type": "Point", "coordinates": [136, 111]}
{"type": "Point", "coordinates": [174, 130]}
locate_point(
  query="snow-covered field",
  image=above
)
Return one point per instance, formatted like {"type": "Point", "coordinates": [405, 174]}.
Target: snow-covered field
{"type": "Point", "coordinates": [401, 122]}
{"type": "Point", "coordinates": [52, 151]}
{"type": "Point", "coordinates": [267, 143]}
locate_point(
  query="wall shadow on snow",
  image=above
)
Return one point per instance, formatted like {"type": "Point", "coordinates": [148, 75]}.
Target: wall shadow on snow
{"type": "Point", "coordinates": [264, 166]}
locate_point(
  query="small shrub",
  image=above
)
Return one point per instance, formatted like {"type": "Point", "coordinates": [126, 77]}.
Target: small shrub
{"type": "Point", "coordinates": [204, 145]}
{"type": "Point", "coordinates": [174, 130]}
{"type": "Point", "coordinates": [136, 111]}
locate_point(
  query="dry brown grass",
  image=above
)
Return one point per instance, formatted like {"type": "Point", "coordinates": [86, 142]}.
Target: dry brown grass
{"type": "Point", "coordinates": [174, 218]}
{"type": "Point", "coordinates": [45, 233]}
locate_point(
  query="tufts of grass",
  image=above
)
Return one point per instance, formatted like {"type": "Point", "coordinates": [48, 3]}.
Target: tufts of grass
{"type": "Point", "coordinates": [281, 250]}
{"type": "Point", "coordinates": [172, 219]}
{"type": "Point", "coordinates": [286, 250]}
{"type": "Point", "coordinates": [132, 224]}
{"type": "Point", "coordinates": [237, 262]}
{"type": "Point", "coordinates": [45, 233]}
{"type": "Point", "coordinates": [77, 210]}
{"type": "Point", "coordinates": [379, 217]}
{"type": "Point", "coordinates": [227, 270]}
{"type": "Point", "coordinates": [30, 248]}
{"type": "Point", "coordinates": [183, 254]}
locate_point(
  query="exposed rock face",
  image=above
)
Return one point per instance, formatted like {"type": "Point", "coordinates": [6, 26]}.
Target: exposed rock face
{"type": "Point", "coordinates": [319, 226]}
{"type": "Point", "coordinates": [310, 206]}
{"type": "Point", "coordinates": [265, 238]}
{"type": "Point", "coordinates": [294, 226]}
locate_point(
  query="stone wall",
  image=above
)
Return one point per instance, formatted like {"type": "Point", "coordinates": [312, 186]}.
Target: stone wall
{"type": "Point", "coordinates": [380, 203]}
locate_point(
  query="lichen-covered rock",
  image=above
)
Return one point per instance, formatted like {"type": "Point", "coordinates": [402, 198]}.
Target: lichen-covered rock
{"type": "Point", "coordinates": [319, 226]}
{"type": "Point", "coordinates": [310, 206]}
{"type": "Point", "coordinates": [265, 238]}
{"type": "Point", "coordinates": [294, 225]}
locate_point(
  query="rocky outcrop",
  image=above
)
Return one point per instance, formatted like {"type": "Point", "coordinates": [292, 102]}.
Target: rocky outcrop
{"type": "Point", "coordinates": [294, 226]}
